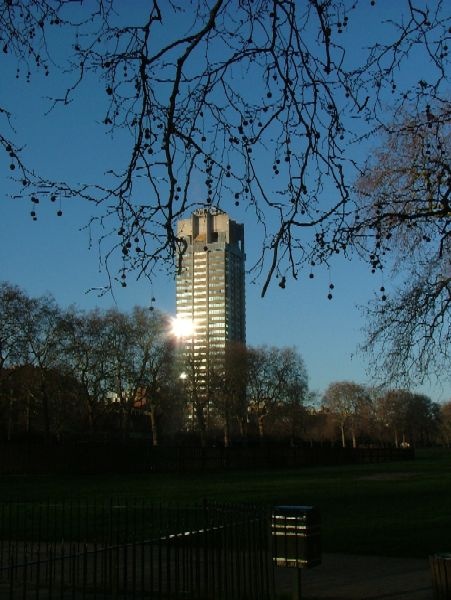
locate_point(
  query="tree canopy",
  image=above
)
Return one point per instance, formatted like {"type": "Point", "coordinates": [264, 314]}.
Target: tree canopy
{"type": "Point", "coordinates": [405, 198]}
{"type": "Point", "coordinates": [103, 374]}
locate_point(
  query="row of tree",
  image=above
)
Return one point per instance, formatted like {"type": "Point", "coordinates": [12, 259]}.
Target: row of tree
{"type": "Point", "coordinates": [397, 417]}
{"type": "Point", "coordinates": [72, 372]}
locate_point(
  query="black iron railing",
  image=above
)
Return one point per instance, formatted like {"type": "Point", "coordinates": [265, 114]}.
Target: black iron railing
{"type": "Point", "coordinates": [122, 550]}
{"type": "Point", "coordinates": [78, 458]}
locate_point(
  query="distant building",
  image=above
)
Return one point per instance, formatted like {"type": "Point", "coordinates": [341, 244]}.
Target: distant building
{"type": "Point", "coordinates": [211, 290]}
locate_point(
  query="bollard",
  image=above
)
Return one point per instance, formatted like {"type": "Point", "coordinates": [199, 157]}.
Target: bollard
{"type": "Point", "coordinates": [296, 538]}
{"type": "Point", "coordinates": [441, 575]}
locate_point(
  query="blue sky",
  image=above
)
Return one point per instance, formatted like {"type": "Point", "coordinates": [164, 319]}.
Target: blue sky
{"type": "Point", "coordinates": [54, 255]}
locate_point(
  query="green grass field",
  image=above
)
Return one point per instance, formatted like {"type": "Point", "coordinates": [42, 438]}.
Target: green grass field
{"type": "Point", "coordinates": [389, 509]}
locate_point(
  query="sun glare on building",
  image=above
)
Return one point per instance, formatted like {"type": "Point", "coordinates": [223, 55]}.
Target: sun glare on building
{"type": "Point", "coordinates": [182, 328]}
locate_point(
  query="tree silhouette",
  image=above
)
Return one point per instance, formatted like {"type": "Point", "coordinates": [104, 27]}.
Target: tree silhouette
{"type": "Point", "coordinates": [349, 403]}
{"type": "Point", "coordinates": [405, 209]}
{"type": "Point", "coordinates": [265, 104]}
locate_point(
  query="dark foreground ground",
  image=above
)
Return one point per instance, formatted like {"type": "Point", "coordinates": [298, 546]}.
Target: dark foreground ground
{"type": "Point", "coordinates": [347, 577]}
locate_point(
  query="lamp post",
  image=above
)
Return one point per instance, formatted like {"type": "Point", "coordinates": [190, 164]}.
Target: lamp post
{"type": "Point", "coordinates": [183, 378]}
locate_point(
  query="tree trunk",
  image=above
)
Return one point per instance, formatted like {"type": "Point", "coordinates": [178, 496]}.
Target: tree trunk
{"type": "Point", "coordinates": [226, 437]}
{"type": "Point", "coordinates": [27, 415]}
{"type": "Point", "coordinates": [242, 424]}
{"type": "Point", "coordinates": [343, 438]}
{"type": "Point", "coordinates": [91, 418]}
{"type": "Point", "coordinates": [200, 417]}
{"type": "Point", "coordinates": [261, 428]}
{"type": "Point", "coordinates": [89, 406]}
{"type": "Point", "coordinates": [10, 416]}
{"type": "Point", "coordinates": [121, 422]}
{"type": "Point", "coordinates": [45, 410]}
{"type": "Point", "coordinates": [354, 441]}
{"type": "Point", "coordinates": [153, 425]}
{"type": "Point", "coordinates": [126, 422]}
{"type": "Point", "coordinates": [203, 438]}
{"type": "Point", "coordinates": [226, 434]}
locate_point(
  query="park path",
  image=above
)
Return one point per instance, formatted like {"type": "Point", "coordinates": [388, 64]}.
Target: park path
{"type": "Point", "coordinates": [346, 577]}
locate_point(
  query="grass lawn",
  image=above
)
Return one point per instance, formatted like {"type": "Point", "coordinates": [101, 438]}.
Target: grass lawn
{"type": "Point", "coordinates": [391, 509]}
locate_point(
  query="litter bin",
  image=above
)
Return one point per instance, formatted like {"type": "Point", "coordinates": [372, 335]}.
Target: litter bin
{"type": "Point", "coordinates": [296, 536]}
{"type": "Point", "coordinates": [441, 576]}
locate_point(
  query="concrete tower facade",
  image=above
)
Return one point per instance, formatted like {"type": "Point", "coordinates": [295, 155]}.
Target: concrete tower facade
{"type": "Point", "coordinates": [211, 289]}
